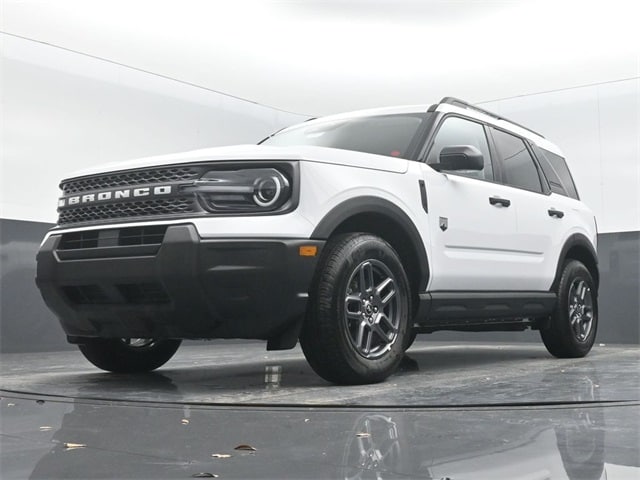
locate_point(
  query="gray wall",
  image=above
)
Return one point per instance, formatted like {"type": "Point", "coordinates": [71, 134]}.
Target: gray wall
{"type": "Point", "coordinates": [26, 325]}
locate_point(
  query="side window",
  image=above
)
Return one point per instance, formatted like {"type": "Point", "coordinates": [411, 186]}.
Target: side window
{"type": "Point", "coordinates": [554, 180]}
{"type": "Point", "coordinates": [458, 131]}
{"type": "Point", "coordinates": [518, 168]}
{"type": "Point", "coordinates": [560, 166]}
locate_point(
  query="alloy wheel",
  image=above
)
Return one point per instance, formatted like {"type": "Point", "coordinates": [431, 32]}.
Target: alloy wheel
{"type": "Point", "coordinates": [580, 309]}
{"type": "Point", "coordinates": [372, 311]}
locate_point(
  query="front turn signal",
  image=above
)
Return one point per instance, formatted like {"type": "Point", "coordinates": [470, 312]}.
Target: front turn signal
{"type": "Point", "coordinates": [308, 250]}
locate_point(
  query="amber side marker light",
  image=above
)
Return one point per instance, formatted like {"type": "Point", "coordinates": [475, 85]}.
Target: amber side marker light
{"type": "Point", "coordinates": [308, 251]}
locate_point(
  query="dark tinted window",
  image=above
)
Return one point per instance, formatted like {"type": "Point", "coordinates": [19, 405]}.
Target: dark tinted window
{"type": "Point", "coordinates": [458, 131]}
{"type": "Point", "coordinates": [518, 167]}
{"type": "Point", "coordinates": [390, 135]}
{"type": "Point", "coordinates": [549, 172]}
{"type": "Point", "coordinates": [560, 166]}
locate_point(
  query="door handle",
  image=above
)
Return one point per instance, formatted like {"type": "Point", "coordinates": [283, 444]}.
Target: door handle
{"type": "Point", "coordinates": [499, 201]}
{"type": "Point", "coordinates": [555, 213]}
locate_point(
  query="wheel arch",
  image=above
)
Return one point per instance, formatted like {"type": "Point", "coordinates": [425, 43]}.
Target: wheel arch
{"type": "Point", "coordinates": [578, 247]}
{"type": "Point", "coordinates": [383, 218]}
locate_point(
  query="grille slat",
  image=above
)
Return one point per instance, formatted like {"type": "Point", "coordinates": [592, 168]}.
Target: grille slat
{"type": "Point", "coordinates": [142, 235]}
{"type": "Point", "coordinates": [78, 240]}
{"type": "Point", "coordinates": [122, 237]}
{"type": "Point", "coordinates": [139, 209]}
{"type": "Point", "coordinates": [126, 179]}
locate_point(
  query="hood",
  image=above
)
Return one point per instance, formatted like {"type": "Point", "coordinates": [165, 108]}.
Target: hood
{"type": "Point", "coordinates": [258, 153]}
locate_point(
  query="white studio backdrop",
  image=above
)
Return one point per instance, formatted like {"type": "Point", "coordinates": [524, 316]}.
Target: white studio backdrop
{"type": "Point", "coordinates": [598, 129]}
{"type": "Point", "coordinates": [326, 56]}
{"type": "Point", "coordinates": [63, 111]}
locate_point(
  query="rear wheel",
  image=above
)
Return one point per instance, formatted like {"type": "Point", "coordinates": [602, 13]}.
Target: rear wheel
{"type": "Point", "coordinates": [128, 355]}
{"type": "Point", "coordinates": [355, 329]}
{"type": "Point", "coordinates": [572, 329]}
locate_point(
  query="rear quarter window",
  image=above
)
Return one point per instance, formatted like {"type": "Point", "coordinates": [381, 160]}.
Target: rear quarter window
{"type": "Point", "coordinates": [558, 172]}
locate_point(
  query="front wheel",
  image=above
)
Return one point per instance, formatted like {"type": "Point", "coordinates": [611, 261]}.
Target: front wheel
{"type": "Point", "coordinates": [574, 322]}
{"type": "Point", "coordinates": [412, 333]}
{"type": "Point", "coordinates": [357, 321]}
{"type": "Point", "coordinates": [128, 355]}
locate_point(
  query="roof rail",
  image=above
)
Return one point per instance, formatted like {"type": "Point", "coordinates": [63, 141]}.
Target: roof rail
{"type": "Point", "coordinates": [461, 103]}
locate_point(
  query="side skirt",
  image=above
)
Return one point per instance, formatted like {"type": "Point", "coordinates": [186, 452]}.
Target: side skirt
{"type": "Point", "coordinates": [482, 310]}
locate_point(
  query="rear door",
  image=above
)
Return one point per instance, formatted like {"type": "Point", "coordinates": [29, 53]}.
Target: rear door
{"type": "Point", "coordinates": [568, 214]}
{"type": "Point", "coordinates": [539, 218]}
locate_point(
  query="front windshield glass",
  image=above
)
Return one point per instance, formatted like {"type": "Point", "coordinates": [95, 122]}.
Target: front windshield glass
{"type": "Point", "coordinates": [390, 135]}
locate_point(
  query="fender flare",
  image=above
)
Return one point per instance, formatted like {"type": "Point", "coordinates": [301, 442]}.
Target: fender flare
{"type": "Point", "coordinates": [376, 206]}
{"type": "Point", "coordinates": [576, 240]}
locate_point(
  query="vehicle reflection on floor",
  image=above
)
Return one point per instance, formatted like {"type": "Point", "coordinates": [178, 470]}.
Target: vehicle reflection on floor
{"type": "Point", "coordinates": [388, 444]}
{"type": "Point", "coordinates": [168, 441]}
{"type": "Point", "coordinates": [470, 412]}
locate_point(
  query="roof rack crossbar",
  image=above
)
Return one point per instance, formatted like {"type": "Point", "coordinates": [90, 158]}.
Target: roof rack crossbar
{"type": "Point", "coordinates": [461, 103]}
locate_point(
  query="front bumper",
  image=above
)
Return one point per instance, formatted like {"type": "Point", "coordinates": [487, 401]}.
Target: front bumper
{"type": "Point", "coordinates": [180, 287]}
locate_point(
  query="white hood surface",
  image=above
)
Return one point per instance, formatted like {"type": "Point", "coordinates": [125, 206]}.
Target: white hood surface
{"type": "Point", "coordinates": [258, 153]}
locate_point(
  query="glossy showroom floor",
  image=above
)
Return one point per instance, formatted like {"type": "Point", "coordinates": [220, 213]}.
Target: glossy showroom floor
{"type": "Point", "coordinates": [453, 411]}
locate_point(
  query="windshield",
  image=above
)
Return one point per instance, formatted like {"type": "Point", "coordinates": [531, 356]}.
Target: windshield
{"type": "Point", "coordinates": [391, 135]}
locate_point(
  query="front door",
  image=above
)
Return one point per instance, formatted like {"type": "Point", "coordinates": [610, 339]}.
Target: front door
{"type": "Point", "coordinates": [472, 223]}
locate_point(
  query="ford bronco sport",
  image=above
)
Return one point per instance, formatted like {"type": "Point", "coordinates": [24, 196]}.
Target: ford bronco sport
{"type": "Point", "coordinates": [351, 233]}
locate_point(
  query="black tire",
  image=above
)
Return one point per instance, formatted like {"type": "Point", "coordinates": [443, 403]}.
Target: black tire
{"type": "Point", "coordinates": [348, 346]}
{"type": "Point", "coordinates": [572, 327]}
{"type": "Point", "coordinates": [128, 355]}
{"type": "Point", "coordinates": [412, 333]}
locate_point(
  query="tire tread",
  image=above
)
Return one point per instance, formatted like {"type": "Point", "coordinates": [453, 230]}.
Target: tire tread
{"type": "Point", "coordinates": [558, 338]}
{"type": "Point", "coordinates": [321, 335]}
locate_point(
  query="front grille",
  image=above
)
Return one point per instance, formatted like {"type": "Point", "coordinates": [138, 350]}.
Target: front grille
{"type": "Point", "coordinates": [116, 196]}
{"type": "Point", "coordinates": [78, 240]}
{"type": "Point", "coordinates": [136, 177]}
{"type": "Point", "coordinates": [120, 237]}
{"type": "Point", "coordinates": [141, 235]}
{"type": "Point", "coordinates": [137, 209]}
{"type": "Point", "coordinates": [121, 294]}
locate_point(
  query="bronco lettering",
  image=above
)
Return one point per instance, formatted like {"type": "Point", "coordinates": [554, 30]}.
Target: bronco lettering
{"type": "Point", "coordinates": [115, 195]}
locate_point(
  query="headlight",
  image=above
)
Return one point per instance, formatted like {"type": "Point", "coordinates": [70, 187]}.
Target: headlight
{"type": "Point", "coordinates": [243, 190]}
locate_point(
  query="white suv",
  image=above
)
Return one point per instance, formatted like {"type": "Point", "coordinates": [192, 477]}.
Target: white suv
{"type": "Point", "coordinates": [351, 233]}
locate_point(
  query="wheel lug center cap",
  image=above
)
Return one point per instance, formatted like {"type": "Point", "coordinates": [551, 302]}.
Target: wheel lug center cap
{"type": "Point", "coordinates": [368, 308]}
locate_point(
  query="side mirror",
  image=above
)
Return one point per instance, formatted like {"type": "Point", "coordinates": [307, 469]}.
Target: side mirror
{"type": "Point", "coordinates": [460, 157]}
